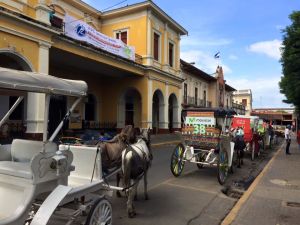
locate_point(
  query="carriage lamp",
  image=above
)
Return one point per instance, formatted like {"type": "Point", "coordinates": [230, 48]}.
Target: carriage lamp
{"type": "Point", "coordinates": [189, 153]}
{"type": "Point", "coordinates": [57, 161]}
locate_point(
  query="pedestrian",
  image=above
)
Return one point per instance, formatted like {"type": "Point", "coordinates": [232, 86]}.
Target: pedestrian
{"type": "Point", "coordinates": [287, 134]}
{"type": "Point", "coordinates": [271, 134]}
{"type": "Point", "coordinates": [298, 138]}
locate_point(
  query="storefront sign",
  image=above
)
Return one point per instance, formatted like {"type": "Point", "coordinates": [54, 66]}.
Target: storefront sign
{"type": "Point", "coordinates": [200, 124]}
{"type": "Point", "coordinates": [79, 30]}
{"type": "Point", "coordinates": [200, 120]}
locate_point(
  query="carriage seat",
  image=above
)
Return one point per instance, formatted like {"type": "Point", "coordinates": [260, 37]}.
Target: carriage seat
{"type": "Point", "coordinates": [22, 151]}
{"type": "Point", "coordinates": [16, 169]}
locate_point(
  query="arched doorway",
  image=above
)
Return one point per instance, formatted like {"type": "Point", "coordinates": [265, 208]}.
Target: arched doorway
{"type": "Point", "coordinates": [90, 108]}
{"type": "Point", "coordinates": [158, 116]}
{"type": "Point", "coordinates": [12, 60]}
{"type": "Point", "coordinates": [173, 112]}
{"type": "Point", "coordinates": [130, 108]}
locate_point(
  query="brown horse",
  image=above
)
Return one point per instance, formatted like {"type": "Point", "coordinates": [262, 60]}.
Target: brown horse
{"type": "Point", "coordinates": [111, 151]}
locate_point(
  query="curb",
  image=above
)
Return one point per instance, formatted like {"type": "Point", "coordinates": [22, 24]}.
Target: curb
{"type": "Point", "coordinates": [234, 211]}
{"type": "Point", "coordinates": [165, 143]}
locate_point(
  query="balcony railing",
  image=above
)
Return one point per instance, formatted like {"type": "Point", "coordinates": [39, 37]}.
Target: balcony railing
{"type": "Point", "coordinates": [238, 106]}
{"type": "Point", "coordinates": [191, 101]}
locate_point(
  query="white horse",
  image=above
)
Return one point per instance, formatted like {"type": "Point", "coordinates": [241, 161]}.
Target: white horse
{"type": "Point", "coordinates": [136, 160]}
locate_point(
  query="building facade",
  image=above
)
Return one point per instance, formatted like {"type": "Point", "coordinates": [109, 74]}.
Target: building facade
{"type": "Point", "coordinates": [203, 90]}
{"type": "Point", "coordinates": [244, 97]}
{"type": "Point", "coordinates": [276, 116]}
{"type": "Point", "coordinates": [144, 91]}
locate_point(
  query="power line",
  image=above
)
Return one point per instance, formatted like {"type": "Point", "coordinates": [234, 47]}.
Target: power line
{"type": "Point", "coordinates": [114, 5]}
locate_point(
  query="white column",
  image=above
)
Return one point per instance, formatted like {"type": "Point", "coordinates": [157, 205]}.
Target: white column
{"type": "Point", "coordinates": [177, 55]}
{"type": "Point", "coordinates": [150, 104]}
{"type": "Point", "coordinates": [164, 122]}
{"type": "Point", "coordinates": [179, 108]}
{"type": "Point", "coordinates": [149, 57]}
{"type": "Point", "coordinates": [165, 50]}
{"type": "Point", "coordinates": [42, 12]}
{"type": "Point", "coordinates": [36, 102]}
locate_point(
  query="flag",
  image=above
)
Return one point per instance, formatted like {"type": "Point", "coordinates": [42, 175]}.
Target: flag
{"type": "Point", "coordinates": [217, 55]}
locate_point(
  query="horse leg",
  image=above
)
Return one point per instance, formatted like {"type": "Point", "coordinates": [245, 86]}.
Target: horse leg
{"type": "Point", "coordinates": [242, 156]}
{"type": "Point", "coordinates": [145, 185]}
{"type": "Point", "coordinates": [239, 158]}
{"type": "Point", "coordinates": [130, 209]}
{"type": "Point", "coordinates": [135, 191]}
{"type": "Point", "coordinates": [118, 182]}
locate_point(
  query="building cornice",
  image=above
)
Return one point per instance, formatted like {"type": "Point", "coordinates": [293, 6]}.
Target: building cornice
{"type": "Point", "coordinates": [87, 7]}
{"type": "Point", "coordinates": [145, 5]}
{"type": "Point", "coordinates": [27, 20]}
{"type": "Point", "coordinates": [168, 75]}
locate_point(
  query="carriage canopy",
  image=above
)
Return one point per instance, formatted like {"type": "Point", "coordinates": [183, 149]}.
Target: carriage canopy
{"type": "Point", "coordinates": [40, 83]}
{"type": "Point", "coordinates": [202, 127]}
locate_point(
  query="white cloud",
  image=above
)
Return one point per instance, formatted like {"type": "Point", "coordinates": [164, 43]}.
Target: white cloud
{"type": "Point", "coordinates": [265, 90]}
{"type": "Point", "coordinates": [204, 61]}
{"type": "Point", "coordinates": [194, 41]}
{"type": "Point", "coordinates": [233, 57]}
{"type": "Point", "coordinates": [269, 48]}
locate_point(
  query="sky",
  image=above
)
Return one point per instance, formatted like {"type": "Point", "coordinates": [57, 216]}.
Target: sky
{"type": "Point", "coordinates": [247, 33]}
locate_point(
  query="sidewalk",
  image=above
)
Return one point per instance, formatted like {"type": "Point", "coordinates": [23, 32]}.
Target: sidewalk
{"type": "Point", "coordinates": [274, 197]}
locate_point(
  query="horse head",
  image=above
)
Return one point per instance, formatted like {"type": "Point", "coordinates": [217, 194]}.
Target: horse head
{"type": "Point", "coordinates": [129, 133]}
{"type": "Point", "coordinates": [145, 135]}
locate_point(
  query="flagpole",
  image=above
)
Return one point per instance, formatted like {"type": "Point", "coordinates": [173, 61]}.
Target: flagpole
{"type": "Point", "coordinates": [217, 57]}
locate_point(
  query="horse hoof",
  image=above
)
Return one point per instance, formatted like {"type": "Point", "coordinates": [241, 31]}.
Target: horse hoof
{"type": "Point", "coordinates": [131, 214]}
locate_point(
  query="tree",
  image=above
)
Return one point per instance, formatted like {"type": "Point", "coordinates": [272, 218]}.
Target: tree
{"type": "Point", "coordinates": [290, 60]}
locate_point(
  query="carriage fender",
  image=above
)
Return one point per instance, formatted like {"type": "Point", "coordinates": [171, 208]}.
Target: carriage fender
{"type": "Point", "coordinates": [49, 205]}
{"type": "Point", "coordinates": [230, 153]}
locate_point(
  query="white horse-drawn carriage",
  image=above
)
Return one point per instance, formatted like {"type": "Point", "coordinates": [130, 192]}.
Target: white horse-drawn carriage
{"type": "Point", "coordinates": [37, 177]}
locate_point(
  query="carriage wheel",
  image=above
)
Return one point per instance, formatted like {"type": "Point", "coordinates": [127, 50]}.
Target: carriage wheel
{"type": "Point", "coordinates": [222, 167]}
{"type": "Point", "coordinates": [177, 162]}
{"type": "Point", "coordinates": [100, 213]}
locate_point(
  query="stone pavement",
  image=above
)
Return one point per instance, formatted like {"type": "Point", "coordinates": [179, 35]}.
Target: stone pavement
{"type": "Point", "coordinates": [274, 197]}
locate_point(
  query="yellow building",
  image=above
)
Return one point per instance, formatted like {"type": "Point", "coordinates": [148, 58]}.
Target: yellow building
{"type": "Point", "coordinates": [145, 92]}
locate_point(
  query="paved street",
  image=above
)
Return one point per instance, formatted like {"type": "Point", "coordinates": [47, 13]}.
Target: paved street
{"type": "Point", "coordinates": [193, 198]}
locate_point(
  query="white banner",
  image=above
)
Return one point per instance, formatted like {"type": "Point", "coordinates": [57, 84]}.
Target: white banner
{"type": "Point", "coordinates": [200, 120]}
{"type": "Point", "coordinates": [79, 30]}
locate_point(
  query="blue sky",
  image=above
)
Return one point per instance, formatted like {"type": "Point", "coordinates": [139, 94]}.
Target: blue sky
{"type": "Point", "coordinates": [246, 32]}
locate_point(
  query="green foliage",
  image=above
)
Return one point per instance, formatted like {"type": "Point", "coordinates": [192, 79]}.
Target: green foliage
{"type": "Point", "coordinates": [290, 60]}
